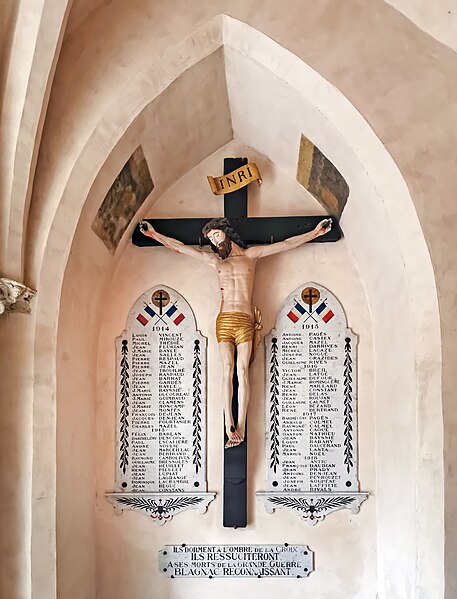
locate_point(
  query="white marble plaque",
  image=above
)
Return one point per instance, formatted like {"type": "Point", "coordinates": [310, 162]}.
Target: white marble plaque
{"type": "Point", "coordinates": [217, 561]}
{"type": "Point", "coordinates": [311, 428]}
{"type": "Point", "coordinates": [161, 408]}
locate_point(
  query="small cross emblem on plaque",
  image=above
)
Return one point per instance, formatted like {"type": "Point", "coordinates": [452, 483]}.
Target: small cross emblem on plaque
{"type": "Point", "coordinates": [310, 295]}
{"type": "Point", "coordinates": [160, 299]}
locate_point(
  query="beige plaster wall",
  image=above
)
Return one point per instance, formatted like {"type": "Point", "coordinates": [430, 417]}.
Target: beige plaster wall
{"type": "Point", "coordinates": [81, 9]}
{"type": "Point", "coordinates": [127, 545]}
{"type": "Point", "coordinates": [438, 18]}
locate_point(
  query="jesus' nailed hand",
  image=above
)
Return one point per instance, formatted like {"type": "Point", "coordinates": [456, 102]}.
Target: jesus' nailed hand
{"type": "Point", "coordinates": [236, 325]}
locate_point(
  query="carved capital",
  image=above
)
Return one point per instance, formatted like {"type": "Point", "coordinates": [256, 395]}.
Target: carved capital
{"type": "Point", "coordinates": [15, 296]}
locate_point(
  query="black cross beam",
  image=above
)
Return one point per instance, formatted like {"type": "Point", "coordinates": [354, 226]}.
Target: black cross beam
{"type": "Point", "coordinates": [253, 231]}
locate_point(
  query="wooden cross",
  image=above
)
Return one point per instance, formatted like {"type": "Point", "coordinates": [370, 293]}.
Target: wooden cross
{"type": "Point", "coordinates": [253, 231]}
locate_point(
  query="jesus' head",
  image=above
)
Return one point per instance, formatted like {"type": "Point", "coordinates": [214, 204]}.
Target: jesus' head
{"type": "Point", "coordinates": [220, 235]}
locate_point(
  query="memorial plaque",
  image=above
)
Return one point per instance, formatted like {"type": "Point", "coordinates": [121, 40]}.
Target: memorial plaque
{"type": "Point", "coordinates": [161, 409]}
{"type": "Point", "coordinates": [311, 385]}
{"type": "Point", "coordinates": [218, 561]}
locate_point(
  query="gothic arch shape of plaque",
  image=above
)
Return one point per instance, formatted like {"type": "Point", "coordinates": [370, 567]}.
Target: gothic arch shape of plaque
{"type": "Point", "coordinates": [161, 409]}
{"type": "Point", "coordinates": [311, 408]}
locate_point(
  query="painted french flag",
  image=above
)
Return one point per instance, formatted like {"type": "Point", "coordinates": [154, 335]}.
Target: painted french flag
{"type": "Point", "coordinates": [328, 316]}
{"type": "Point", "coordinates": [171, 313]}
{"type": "Point", "coordinates": [149, 310]}
{"type": "Point", "coordinates": [324, 312]}
{"type": "Point", "coordinates": [142, 318]}
{"type": "Point", "coordinates": [144, 321]}
{"type": "Point", "coordinates": [320, 308]}
{"type": "Point", "coordinates": [179, 319]}
{"type": "Point", "coordinates": [296, 312]}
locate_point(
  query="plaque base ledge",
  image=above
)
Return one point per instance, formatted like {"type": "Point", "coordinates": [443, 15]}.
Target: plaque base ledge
{"type": "Point", "coordinates": [311, 507]}
{"type": "Point", "coordinates": [159, 506]}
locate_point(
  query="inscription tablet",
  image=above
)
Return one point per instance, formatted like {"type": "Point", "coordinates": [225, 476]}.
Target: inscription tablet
{"type": "Point", "coordinates": [161, 408]}
{"type": "Point", "coordinates": [218, 561]}
{"type": "Point", "coordinates": [311, 428]}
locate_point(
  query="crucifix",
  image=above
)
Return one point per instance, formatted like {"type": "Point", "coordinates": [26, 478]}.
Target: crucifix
{"type": "Point", "coordinates": [236, 326]}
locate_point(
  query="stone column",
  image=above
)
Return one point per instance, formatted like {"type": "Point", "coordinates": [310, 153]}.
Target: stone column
{"type": "Point", "coordinates": [16, 436]}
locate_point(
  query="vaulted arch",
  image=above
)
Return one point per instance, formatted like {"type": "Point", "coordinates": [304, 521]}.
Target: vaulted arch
{"type": "Point", "coordinates": [269, 97]}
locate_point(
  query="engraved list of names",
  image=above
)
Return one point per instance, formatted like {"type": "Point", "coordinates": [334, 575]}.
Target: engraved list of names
{"type": "Point", "coordinates": [311, 393]}
{"type": "Point", "coordinates": [161, 398]}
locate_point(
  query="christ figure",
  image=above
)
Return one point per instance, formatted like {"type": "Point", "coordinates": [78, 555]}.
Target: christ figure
{"type": "Point", "coordinates": [237, 322]}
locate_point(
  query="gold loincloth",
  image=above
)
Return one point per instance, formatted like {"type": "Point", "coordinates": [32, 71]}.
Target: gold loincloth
{"type": "Point", "coordinates": [238, 327]}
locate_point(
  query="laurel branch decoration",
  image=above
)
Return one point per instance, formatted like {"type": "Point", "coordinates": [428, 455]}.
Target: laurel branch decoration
{"type": "Point", "coordinates": [157, 508]}
{"type": "Point", "coordinates": [274, 406]}
{"type": "Point", "coordinates": [312, 507]}
{"type": "Point", "coordinates": [197, 407]}
{"type": "Point", "coordinates": [348, 409]}
{"type": "Point", "coordinates": [124, 408]}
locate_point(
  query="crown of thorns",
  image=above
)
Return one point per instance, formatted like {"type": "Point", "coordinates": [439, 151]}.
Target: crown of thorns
{"type": "Point", "coordinates": [223, 224]}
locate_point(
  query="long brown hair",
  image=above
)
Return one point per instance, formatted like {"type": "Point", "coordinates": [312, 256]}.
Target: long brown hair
{"type": "Point", "coordinates": [222, 224]}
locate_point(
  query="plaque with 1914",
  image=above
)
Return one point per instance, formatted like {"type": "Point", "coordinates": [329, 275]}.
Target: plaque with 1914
{"type": "Point", "coordinates": [161, 409]}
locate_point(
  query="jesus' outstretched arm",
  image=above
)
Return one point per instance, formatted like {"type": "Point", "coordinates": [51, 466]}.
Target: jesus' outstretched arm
{"type": "Point", "coordinates": [177, 246]}
{"type": "Point", "coordinates": [293, 242]}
